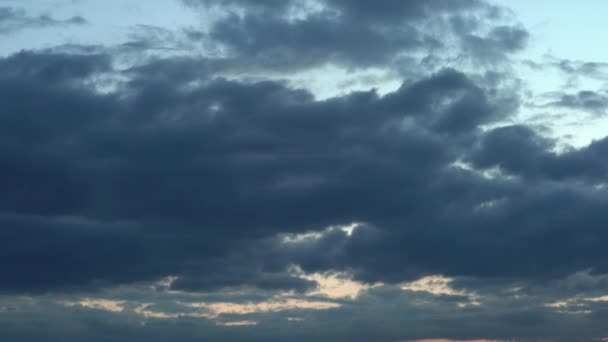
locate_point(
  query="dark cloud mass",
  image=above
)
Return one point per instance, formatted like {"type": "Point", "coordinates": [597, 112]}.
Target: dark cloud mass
{"type": "Point", "coordinates": [356, 34]}
{"type": "Point", "coordinates": [502, 148]}
{"type": "Point", "coordinates": [245, 161]}
{"type": "Point", "coordinates": [117, 176]}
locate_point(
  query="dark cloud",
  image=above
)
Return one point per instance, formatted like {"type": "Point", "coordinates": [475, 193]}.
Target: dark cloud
{"type": "Point", "coordinates": [53, 67]}
{"type": "Point", "coordinates": [575, 68]}
{"type": "Point", "coordinates": [499, 41]}
{"type": "Point", "coordinates": [573, 71]}
{"type": "Point", "coordinates": [318, 39]}
{"type": "Point", "coordinates": [222, 162]}
{"type": "Point", "coordinates": [585, 100]}
{"type": "Point", "coordinates": [200, 174]}
{"type": "Point", "coordinates": [13, 19]}
{"type": "Point", "coordinates": [239, 277]}
{"type": "Point", "coordinates": [400, 11]}
{"type": "Point", "coordinates": [449, 102]}
{"type": "Point", "coordinates": [355, 34]}
{"type": "Point", "coordinates": [507, 235]}
{"type": "Point", "coordinates": [115, 177]}
{"type": "Point", "coordinates": [262, 5]}
{"type": "Point", "coordinates": [520, 151]}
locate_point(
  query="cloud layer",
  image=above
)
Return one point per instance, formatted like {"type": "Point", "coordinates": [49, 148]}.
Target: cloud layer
{"type": "Point", "coordinates": [208, 197]}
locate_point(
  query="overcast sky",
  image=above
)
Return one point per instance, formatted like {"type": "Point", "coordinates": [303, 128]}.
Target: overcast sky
{"type": "Point", "coordinates": [303, 170]}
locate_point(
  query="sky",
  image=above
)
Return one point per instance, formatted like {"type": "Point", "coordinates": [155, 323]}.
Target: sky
{"type": "Point", "coordinates": [303, 170]}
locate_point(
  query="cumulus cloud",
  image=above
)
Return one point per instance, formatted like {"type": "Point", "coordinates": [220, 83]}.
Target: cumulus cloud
{"type": "Point", "coordinates": [354, 34]}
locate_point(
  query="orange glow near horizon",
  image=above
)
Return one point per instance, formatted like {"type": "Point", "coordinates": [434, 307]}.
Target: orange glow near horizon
{"type": "Point", "coordinates": [444, 340]}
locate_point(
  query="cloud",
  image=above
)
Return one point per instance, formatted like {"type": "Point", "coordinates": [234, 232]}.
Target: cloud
{"type": "Point", "coordinates": [379, 312]}
{"type": "Point", "coordinates": [170, 196]}
{"type": "Point", "coordinates": [584, 100]}
{"type": "Point", "coordinates": [520, 151]}
{"type": "Point", "coordinates": [577, 68]}
{"type": "Point", "coordinates": [301, 35]}
{"type": "Point", "coordinates": [197, 170]}
{"type": "Point", "coordinates": [499, 41]}
{"type": "Point", "coordinates": [213, 173]}
{"type": "Point", "coordinates": [13, 19]}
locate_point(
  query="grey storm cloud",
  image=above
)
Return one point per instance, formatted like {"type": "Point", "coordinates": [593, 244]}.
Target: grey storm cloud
{"type": "Point", "coordinates": [355, 34]}
{"type": "Point", "coordinates": [117, 176]}
{"type": "Point", "coordinates": [233, 161]}
{"type": "Point", "coordinates": [503, 148]}
{"type": "Point", "coordinates": [240, 162]}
